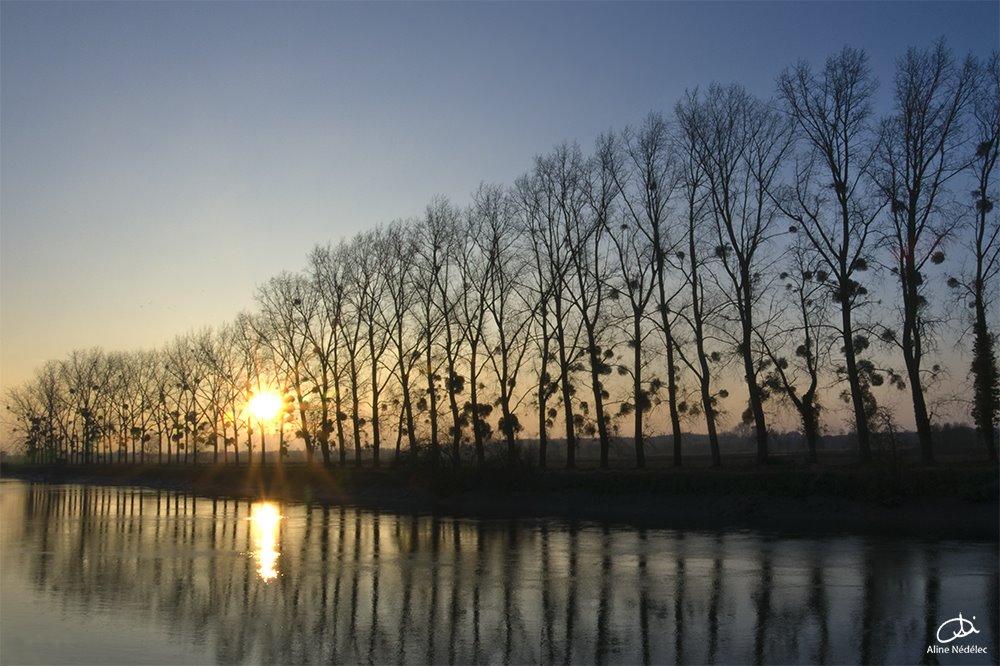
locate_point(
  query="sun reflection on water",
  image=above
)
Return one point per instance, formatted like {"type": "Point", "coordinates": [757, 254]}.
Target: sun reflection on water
{"type": "Point", "coordinates": [265, 519]}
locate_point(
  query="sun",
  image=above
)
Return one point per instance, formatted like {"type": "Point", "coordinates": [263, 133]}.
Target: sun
{"type": "Point", "coordinates": [264, 406]}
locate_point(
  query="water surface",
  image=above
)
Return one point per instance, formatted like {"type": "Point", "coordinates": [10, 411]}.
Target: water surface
{"type": "Point", "coordinates": [117, 575]}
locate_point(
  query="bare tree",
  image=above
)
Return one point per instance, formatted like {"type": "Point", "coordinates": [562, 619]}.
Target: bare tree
{"type": "Point", "coordinates": [832, 201]}
{"type": "Point", "coordinates": [550, 192]}
{"type": "Point", "coordinates": [330, 275]}
{"type": "Point", "coordinates": [400, 242]}
{"type": "Point", "coordinates": [251, 360]}
{"type": "Point", "coordinates": [586, 228]}
{"type": "Point", "coordinates": [433, 239]}
{"type": "Point", "coordinates": [978, 284]}
{"type": "Point", "coordinates": [741, 144]}
{"type": "Point", "coordinates": [475, 270]}
{"type": "Point", "coordinates": [642, 172]}
{"type": "Point", "coordinates": [119, 416]}
{"type": "Point", "coordinates": [128, 401]}
{"type": "Point", "coordinates": [143, 399]}
{"type": "Point", "coordinates": [214, 388]}
{"type": "Point", "coordinates": [534, 209]}
{"type": "Point", "coordinates": [800, 327]}
{"type": "Point", "coordinates": [223, 360]}
{"type": "Point", "coordinates": [352, 333]}
{"type": "Point", "coordinates": [52, 399]}
{"type": "Point", "coordinates": [921, 150]}
{"type": "Point", "coordinates": [38, 409]}
{"type": "Point", "coordinates": [185, 367]}
{"type": "Point", "coordinates": [81, 374]}
{"type": "Point", "coordinates": [162, 419]}
{"type": "Point", "coordinates": [507, 300]}
{"type": "Point", "coordinates": [377, 329]}
{"type": "Point", "coordinates": [283, 325]}
{"type": "Point", "coordinates": [691, 262]}
{"type": "Point", "coordinates": [443, 226]}
{"type": "Point", "coordinates": [316, 374]}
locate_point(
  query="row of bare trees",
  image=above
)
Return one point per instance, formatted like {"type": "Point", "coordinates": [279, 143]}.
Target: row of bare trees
{"type": "Point", "coordinates": [603, 294]}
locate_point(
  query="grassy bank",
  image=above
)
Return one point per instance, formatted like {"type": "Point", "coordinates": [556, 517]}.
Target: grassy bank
{"type": "Point", "coordinates": [957, 500]}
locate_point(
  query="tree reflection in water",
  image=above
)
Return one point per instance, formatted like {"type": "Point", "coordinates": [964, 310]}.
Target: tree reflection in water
{"type": "Point", "coordinates": [361, 586]}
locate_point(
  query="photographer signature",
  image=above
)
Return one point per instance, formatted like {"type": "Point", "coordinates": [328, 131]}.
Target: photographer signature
{"type": "Point", "coordinates": [965, 628]}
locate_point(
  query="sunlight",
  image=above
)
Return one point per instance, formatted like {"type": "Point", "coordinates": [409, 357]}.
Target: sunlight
{"type": "Point", "coordinates": [264, 406]}
{"type": "Point", "coordinates": [265, 518]}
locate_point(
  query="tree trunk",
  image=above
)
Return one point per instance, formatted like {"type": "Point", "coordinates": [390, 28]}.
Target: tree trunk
{"type": "Point", "coordinates": [432, 402]}
{"type": "Point", "coordinates": [456, 433]}
{"type": "Point", "coordinates": [566, 394]}
{"type": "Point", "coordinates": [984, 368]}
{"type": "Point", "coordinates": [477, 434]}
{"type": "Point", "coordinates": [263, 445]}
{"type": "Point", "coordinates": [325, 429]}
{"type": "Point", "coordinates": [637, 400]}
{"type": "Point", "coordinates": [355, 405]}
{"type": "Point", "coordinates": [338, 406]}
{"type": "Point", "coordinates": [810, 425]}
{"type": "Point", "coordinates": [307, 438]}
{"type": "Point", "coordinates": [705, 380]}
{"type": "Point", "coordinates": [912, 349]}
{"type": "Point", "coordinates": [543, 381]}
{"type": "Point", "coordinates": [920, 416]}
{"type": "Point", "coordinates": [376, 434]}
{"type": "Point", "coordinates": [595, 380]}
{"type": "Point", "coordinates": [853, 379]}
{"type": "Point", "coordinates": [753, 389]}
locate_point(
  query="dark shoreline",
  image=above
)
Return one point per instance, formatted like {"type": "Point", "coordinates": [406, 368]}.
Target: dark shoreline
{"type": "Point", "coordinates": [948, 502]}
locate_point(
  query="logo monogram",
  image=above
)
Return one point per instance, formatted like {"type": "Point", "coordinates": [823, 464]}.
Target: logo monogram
{"type": "Point", "coordinates": [965, 628]}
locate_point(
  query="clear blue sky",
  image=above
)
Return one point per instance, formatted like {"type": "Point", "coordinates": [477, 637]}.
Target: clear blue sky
{"type": "Point", "coordinates": [159, 160]}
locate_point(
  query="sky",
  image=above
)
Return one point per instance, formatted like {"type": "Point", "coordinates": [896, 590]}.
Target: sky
{"type": "Point", "coordinates": [160, 160]}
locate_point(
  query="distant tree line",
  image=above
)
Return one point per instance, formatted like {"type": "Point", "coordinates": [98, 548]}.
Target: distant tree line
{"type": "Point", "coordinates": [785, 239]}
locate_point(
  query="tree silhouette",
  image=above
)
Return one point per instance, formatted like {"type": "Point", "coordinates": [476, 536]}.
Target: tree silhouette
{"type": "Point", "coordinates": [920, 152]}
{"type": "Point", "coordinates": [979, 284]}
{"type": "Point", "coordinates": [832, 112]}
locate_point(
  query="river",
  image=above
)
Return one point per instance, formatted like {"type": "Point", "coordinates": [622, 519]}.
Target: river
{"type": "Point", "coordinates": [107, 575]}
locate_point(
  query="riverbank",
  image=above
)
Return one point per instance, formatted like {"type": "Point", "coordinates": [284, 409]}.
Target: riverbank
{"type": "Point", "coordinates": [955, 501]}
